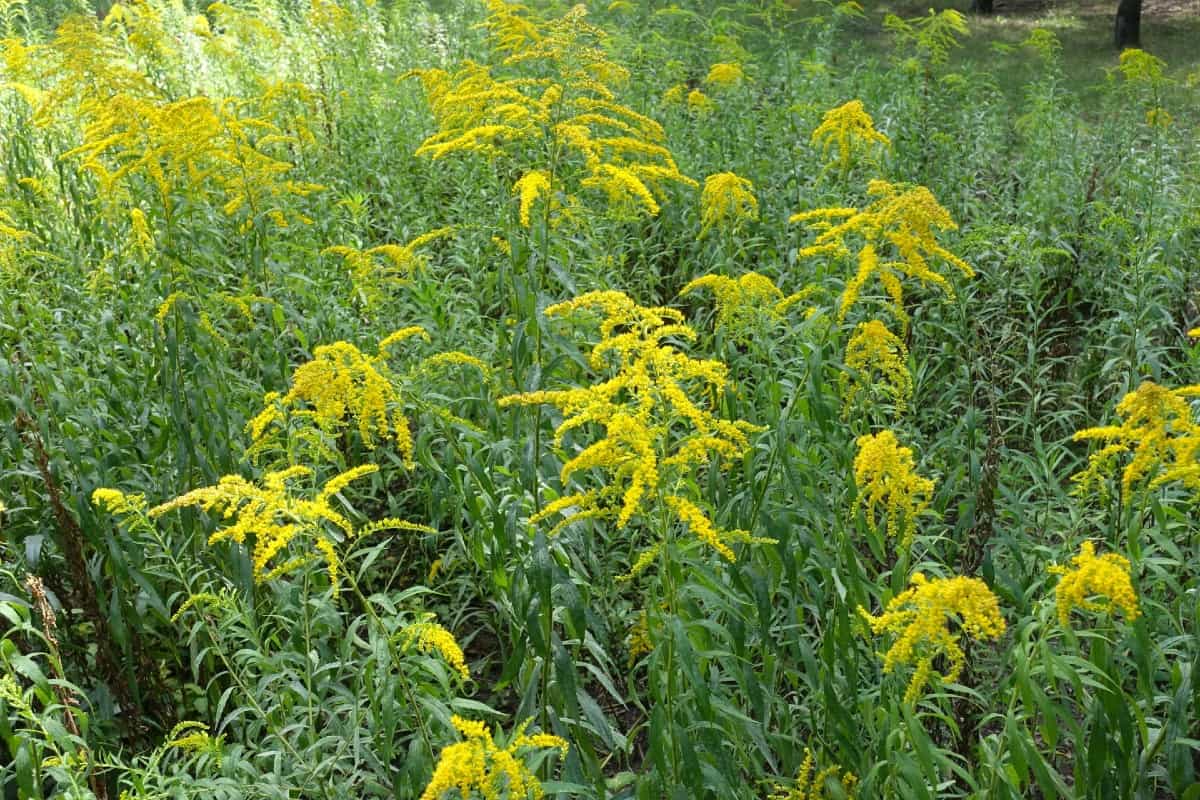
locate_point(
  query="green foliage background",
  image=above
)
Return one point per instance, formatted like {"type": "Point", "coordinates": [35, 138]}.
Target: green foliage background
{"type": "Point", "coordinates": [1080, 218]}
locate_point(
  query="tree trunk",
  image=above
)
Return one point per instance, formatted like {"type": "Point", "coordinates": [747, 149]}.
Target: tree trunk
{"type": "Point", "coordinates": [981, 6]}
{"type": "Point", "coordinates": [1129, 24]}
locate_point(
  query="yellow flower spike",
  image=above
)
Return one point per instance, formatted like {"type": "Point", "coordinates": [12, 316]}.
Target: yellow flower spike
{"type": "Point", "coordinates": [1194, 333]}
{"type": "Point", "coordinates": [1106, 576]}
{"type": "Point", "coordinates": [275, 516]}
{"type": "Point", "coordinates": [744, 305]}
{"type": "Point", "coordinates": [1159, 429]}
{"type": "Point", "coordinates": [725, 75]}
{"type": "Point", "coordinates": [341, 385]}
{"type": "Point", "coordinates": [811, 784]}
{"type": "Point", "coordinates": [921, 618]}
{"type": "Point", "coordinates": [902, 218]}
{"type": "Point", "coordinates": [850, 128]}
{"type": "Point", "coordinates": [569, 108]}
{"type": "Point", "coordinates": [115, 501]}
{"type": "Point", "coordinates": [431, 637]}
{"type": "Point", "coordinates": [531, 186]}
{"type": "Point", "coordinates": [727, 199]}
{"type": "Point", "coordinates": [874, 349]}
{"type": "Point", "coordinates": [476, 764]}
{"type": "Point", "coordinates": [886, 476]}
{"type": "Point", "coordinates": [655, 408]}
{"type": "Point", "coordinates": [699, 103]}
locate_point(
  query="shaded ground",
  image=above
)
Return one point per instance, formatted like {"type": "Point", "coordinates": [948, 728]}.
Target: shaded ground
{"type": "Point", "coordinates": [1170, 31]}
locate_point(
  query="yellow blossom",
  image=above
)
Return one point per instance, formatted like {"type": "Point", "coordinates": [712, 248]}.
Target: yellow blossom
{"type": "Point", "coordinates": [922, 616]}
{"type": "Point", "coordinates": [744, 304]}
{"type": "Point", "coordinates": [1159, 429]}
{"type": "Point", "coordinates": [1106, 576]}
{"type": "Point", "coordinates": [725, 75]}
{"type": "Point", "coordinates": [339, 385]}
{"type": "Point", "coordinates": [902, 218]}
{"type": "Point", "coordinates": [117, 502]}
{"type": "Point", "coordinates": [1159, 118]}
{"type": "Point", "coordinates": [874, 349]}
{"type": "Point", "coordinates": [850, 128]}
{"type": "Point", "coordinates": [886, 476]}
{"type": "Point", "coordinates": [675, 95]}
{"type": "Point", "coordinates": [726, 200]}
{"type": "Point", "coordinates": [640, 642]}
{"type": "Point", "coordinates": [655, 409]}
{"type": "Point", "coordinates": [811, 784]}
{"type": "Point", "coordinates": [478, 764]}
{"type": "Point", "coordinates": [431, 637]}
{"type": "Point", "coordinates": [699, 103]}
{"type": "Point", "coordinates": [274, 516]}
{"type": "Point", "coordinates": [530, 187]}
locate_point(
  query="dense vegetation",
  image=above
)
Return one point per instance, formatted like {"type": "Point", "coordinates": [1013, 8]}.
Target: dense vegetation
{"type": "Point", "coordinates": [716, 400]}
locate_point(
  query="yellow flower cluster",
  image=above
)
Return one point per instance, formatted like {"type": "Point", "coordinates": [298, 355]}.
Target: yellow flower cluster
{"type": "Point", "coordinates": [903, 217]}
{"type": "Point", "coordinates": [529, 187]}
{"type": "Point", "coordinates": [640, 642]}
{"type": "Point", "coordinates": [886, 476]}
{"type": "Point", "coordinates": [112, 82]}
{"type": "Point", "coordinates": [275, 517]}
{"type": "Point", "coordinates": [851, 129]}
{"type": "Point", "coordinates": [562, 106]}
{"type": "Point", "coordinates": [342, 382]}
{"type": "Point", "coordinates": [932, 36]}
{"type": "Point", "coordinates": [1106, 576]}
{"type": "Point", "coordinates": [699, 103]}
{"type": "Point", "coordinates": [875, 349]}
{"type": "Point", "coordinates": [921, 617]}
{"type": "Point", "coordinates": [399, 261]}
{"type": "Point", "coordinates": [727, 199]}
{"type": "Point", "coordinates": [656, 417]}
{"type": "Point", "coordinates": [194, 737]}
{"type": "Point", "coordinates": [813, 784]}
{"type": "Point", "coordinates": [1158, 427]}
{"type": "Point", "coordinates": [725, 75]}
{"type": "Point", "coordinates": [1139, 67]}
{"type": "Point", "coordinates": [478, 764]}
{"type": "Point", "coordinates": [431, 637]}
{"type": "Point", "coordinates": [117, 502]}
{"type": "Point", "coordinates": [745, 304]}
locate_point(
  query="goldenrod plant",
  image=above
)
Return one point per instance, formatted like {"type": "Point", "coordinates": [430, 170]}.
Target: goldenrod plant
{"type": "Point", "coordinates": [425, 399]}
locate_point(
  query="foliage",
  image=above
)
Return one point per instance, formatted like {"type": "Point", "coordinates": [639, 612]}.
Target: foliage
{"type": "Point", "coordinates": [391, 412]}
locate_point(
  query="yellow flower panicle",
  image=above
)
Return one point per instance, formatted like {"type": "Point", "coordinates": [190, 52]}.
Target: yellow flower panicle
{"type": "Point", "coordinates": [531, 186]}
{"type": "Point", "coordinates": [921, 618]}
{"type": "Point", "coordinates": [274, 516]}
{"type": "Point", "coordinates": [478, 764]}
{"type": "Point", "coordinates": [699, 103]}
{"type": "Point", "coordinates": [903, 218]}
{"type": "Point", "coordinates": [851, 130]}
{"type": "Point", "coordinates": [726, 75]}
{"type": "Point", "coordinates": [564, 103]}
{"type": "Point", "coordinates": [117, 502]}
{"type": "Point", "coordinates": [655, 411]}
{"type": "Point", "coordinates": [640, 643]}
{"type": "Point", "coordinates": [1106, 576]}
{"type": "Point", "coordinates": [812, 784]}
{"type": "Point", "coordinates": [1159, 429]}
{"type": "Point", "coordinates": [376, 267]}
{"type": "Point", "coordinates": [746, 303]}
{"type": "Point", "coordinates": [431, 637]}
{"type": "Point", "coordinates": [873, 349]}
{"type": "Point", "coordinates": [727, 199]}
{"type": "Point", "coordinates": [342, 384]}
{"type": "Point", "coordinates": [886, 476]}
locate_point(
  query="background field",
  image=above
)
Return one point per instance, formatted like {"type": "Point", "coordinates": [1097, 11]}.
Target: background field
{"type": "Point", "coordinates": [643, 507]}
